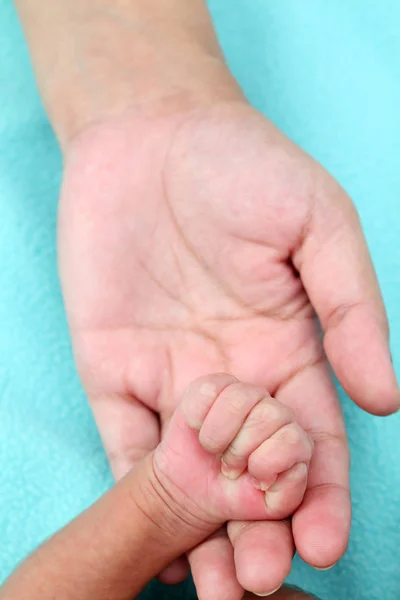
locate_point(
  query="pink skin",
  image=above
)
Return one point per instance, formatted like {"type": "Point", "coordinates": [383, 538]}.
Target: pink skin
{"type": "Point", "coordinates": [204, 241]}
{"type": "Point", "coordinates": [214, 410]}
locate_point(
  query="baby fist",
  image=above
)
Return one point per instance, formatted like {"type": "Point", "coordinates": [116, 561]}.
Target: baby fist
{"type": "Point", "coordinates": [232, 452]}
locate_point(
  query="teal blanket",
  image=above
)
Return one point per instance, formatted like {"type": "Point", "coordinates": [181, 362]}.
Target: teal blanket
{"type": "Point", "coordinates": [328, 73]}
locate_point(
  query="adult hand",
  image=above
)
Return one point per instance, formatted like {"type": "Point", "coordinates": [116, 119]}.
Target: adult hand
{"type": "Point", "coordinates": [285, 593]}
{"type": "Point", "coordinates": [195, 237]}
{"type": "Point", "coordinates": [204, 240]}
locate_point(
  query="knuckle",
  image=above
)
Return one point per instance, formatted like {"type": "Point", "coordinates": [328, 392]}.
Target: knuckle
{"type": "Point", "coordinates": [265, 412]}
{"type": "Point", "coordinates": [288, 414]}
{"type": "Point", "coordinates": [293, 434]}
{"type": "Point", "coordinates": [270, 411]}
{"type": "Point", "coordinates": [209, 386]}
{"type": "Point", "coordinates": [240, 394]}
{"type": "Point", "coordinates": [235, 397]}
{"type": "Point", "coordinates": [203, 386]}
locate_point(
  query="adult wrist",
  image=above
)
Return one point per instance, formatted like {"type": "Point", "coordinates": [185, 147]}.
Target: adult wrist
{"type": "Point", "coordinates": [93, 61]}
{"type": "Point", "coordinates": [199, 82]}
{"type": "Point", "coordinates": [144, 62]}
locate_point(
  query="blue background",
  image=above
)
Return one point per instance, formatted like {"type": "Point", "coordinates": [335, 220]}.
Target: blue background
{"type": "Point", "coordinates": [328, 73]}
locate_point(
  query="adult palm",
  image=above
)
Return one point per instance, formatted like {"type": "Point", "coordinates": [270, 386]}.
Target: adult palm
{"type": "Point", "coordinates": [202, 241]}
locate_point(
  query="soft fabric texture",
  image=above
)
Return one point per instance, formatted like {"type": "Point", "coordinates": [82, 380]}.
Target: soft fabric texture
{"type": "Point", "coordinates": [326, 72]}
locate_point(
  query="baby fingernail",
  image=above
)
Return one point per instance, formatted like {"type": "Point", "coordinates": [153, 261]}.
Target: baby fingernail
{"type": "Point", "coordinates": [272, 497]}
{"type": "Point", "coordinates": [259, 485]}
{"type": "Point", "coordinates": [273, 500]}
{"type": "Point", "coordinates": [255, 483]}
{"type": "Point", "coordinates": [228, 472]}
{"type": "Point", "coordinates": [298, 471]}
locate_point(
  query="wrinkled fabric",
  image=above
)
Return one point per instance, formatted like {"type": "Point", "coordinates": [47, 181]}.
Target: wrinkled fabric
{"type": "Point", "coordinates": [328, 73]}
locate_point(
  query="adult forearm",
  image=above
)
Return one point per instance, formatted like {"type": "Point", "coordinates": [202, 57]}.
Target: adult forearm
{"type": "Point", "coordinates": [95, 58]}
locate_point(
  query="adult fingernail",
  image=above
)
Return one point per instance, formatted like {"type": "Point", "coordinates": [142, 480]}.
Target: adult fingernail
{"type": "Point", "coordinates": [269, 593]}
{"type": "Point", "coordinates": [229, 472]}
{"type": "Point", "coordinates": [324, 568]}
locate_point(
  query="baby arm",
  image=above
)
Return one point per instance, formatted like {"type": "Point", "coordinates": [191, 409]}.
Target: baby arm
{"type": "Point", "coordinates": [231, 452]}
{"type": "Point", "coordinates": [111, 550]}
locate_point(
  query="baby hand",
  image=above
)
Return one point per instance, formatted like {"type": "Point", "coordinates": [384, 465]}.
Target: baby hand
{"type": "Point", "coordinates": [232, 452]}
